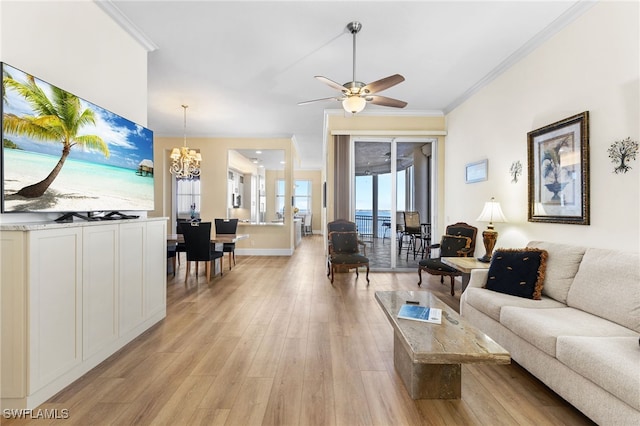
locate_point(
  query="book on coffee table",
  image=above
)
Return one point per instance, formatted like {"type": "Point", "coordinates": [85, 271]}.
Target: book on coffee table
{"type": "Point", "coordinates": [420, 313]}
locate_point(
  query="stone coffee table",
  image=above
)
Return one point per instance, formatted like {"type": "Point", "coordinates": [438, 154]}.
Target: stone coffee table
{"type": "Point", "coordinates": [428, 357]}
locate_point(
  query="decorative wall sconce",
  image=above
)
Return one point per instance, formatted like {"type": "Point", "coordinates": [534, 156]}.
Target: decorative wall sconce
{"type": "Point", "coordinates": [515, 171]}
{"type": "Point", "coordinates": [622, 151]}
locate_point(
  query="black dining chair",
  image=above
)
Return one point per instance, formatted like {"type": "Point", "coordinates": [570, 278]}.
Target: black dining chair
{"type": "Point", "coordinates": [171, 254]}
{"type": "Point", "coordinates": [180, 247]}
{"type": "Point", "coordinates": [228, 227]}
{"type": "Point", "coordinates": [197, 239]}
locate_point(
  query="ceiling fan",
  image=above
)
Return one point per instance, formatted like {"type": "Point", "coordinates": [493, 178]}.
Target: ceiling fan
{"type": "Point", "coordinates": [356, 94]}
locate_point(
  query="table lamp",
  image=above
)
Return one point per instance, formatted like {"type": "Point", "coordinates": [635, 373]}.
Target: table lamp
{"type": "Point", "coordinates": [490, 213]}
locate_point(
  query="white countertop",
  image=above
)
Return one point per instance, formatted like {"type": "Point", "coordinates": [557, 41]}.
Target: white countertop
{"type": "Point", "coordinates": [32, 226]}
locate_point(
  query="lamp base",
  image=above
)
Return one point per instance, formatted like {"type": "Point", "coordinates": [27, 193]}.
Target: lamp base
{"type": "Point", "coordinates": [489, 237]}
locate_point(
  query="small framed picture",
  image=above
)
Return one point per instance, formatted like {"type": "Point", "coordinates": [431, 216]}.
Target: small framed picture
{"type": "Point", "coordinates": [476, 172]}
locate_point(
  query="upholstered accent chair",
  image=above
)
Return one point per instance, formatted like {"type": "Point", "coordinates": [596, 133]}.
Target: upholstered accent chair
{"type": "Point", "coordinates": [341, 225]}
{"type": "Point", "coordinates": [459, 241]}
{"type": "Point", "coordinates": [345, 253]}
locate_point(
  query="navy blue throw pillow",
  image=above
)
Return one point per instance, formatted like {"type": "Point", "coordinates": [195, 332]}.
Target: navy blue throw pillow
{"type": "Point", "coordinates": [518, 272]}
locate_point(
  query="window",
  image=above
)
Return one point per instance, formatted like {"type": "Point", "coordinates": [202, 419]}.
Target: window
{"type": "Point", "coordinates": [302, 196]}
{"type": "Point", "coordinates": [187, 195]}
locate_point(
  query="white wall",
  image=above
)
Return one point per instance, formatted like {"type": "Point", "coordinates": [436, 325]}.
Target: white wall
{"type": "Point", "coordinates": [593, 64]}
{"type": "Point", "coordinates": [79, 48]}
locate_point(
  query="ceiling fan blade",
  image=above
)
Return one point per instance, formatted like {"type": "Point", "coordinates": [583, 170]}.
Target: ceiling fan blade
{"type": "Point", "coordinates": [383, 83]}
{"type": "Point", "coordinates": [384, 101]}
{"type": "Point", "coordinates": [332, 83]}
{"type": "Point", "coordinates": [319, 100]}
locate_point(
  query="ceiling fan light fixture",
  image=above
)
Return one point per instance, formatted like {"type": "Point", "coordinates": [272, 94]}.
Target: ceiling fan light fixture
{"type": "Point", "coordinates": [356, 94]}
{"type": "Point", "coordinates": [354, 104]}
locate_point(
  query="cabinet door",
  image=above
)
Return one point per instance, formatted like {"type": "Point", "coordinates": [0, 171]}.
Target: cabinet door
{"type": "Point", "coordinates": [99, 287]}
{"type": "Point", "coordinates": [155, 291]}
{"type": "Point", "coordinates": [55, 308]}
{"type": "Point", "coordinates": [13, 321]}
{"type": "Point", "coordinates": [230, 194]}
{"type": "Point", "coordinates": [131, 283]}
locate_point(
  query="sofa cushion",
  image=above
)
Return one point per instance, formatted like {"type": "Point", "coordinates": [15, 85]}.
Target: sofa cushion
{"type": "Point", "coordinates": [607, 285]}
{"type": "Point", "coordinates": [490, 302]}
{"type": "Point", "coordinates": [563, 261]}
{"type": "Point", "coordinates": [541, 327]}
{"type": "Point", "coordinates": [612, 363]}
{"type": "Point", "coordinates": [519, 272]}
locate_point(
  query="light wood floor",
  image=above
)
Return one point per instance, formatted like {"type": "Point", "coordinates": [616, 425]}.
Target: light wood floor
{"type": "Point", "coordinates": [274, 343]}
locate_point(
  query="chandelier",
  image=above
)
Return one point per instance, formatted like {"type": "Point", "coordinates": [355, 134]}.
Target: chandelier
{"type": "Point", "coordinates": [185, 162]}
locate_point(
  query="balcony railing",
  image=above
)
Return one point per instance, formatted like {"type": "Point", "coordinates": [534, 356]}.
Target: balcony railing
{"type": "Point", "coordinates": [365, 226]}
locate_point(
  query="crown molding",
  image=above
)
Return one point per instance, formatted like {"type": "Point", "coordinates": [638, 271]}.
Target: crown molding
{"type": "Point", "coordinates": [110, 9]}
{"type": "Point", "coordinates": [536, 41]}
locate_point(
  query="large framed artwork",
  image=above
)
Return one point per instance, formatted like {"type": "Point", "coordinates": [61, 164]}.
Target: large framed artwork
{"type": "Point", "coordinates": [558, 156]}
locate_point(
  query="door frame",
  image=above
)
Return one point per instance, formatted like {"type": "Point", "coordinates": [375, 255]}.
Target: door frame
{"type": "Point", "coordinates": [433, 179]}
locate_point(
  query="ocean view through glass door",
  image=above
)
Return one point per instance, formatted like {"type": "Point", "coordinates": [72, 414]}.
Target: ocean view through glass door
{"type": "Point", "coordinates": [389, 178]}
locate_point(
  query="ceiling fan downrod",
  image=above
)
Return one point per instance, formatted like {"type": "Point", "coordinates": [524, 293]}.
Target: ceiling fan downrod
{"type": "Point", "coordinates": [354, 28]}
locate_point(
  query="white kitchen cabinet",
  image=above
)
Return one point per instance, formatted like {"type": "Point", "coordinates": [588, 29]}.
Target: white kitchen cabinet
{"type": "Point", "coordinates": [235, 189]}
{"type": "Point", "coordinates": [99, 287]}
{"type": "Point", "coordinates": [54, 303]}
{"type": "Point", "coordinates": [72, 295]}
{"type": "Point", "coordinates": [155, 279]}
{"type": "Point", "coordinates": [132, 248]}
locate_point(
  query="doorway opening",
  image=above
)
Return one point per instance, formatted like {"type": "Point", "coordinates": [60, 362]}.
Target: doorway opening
{"type": "Point", "coordinates": [393, 181]}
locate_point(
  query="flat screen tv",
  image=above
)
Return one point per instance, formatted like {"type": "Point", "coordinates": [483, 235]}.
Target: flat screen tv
{"type": "Point", "coordinates": [61, 153]}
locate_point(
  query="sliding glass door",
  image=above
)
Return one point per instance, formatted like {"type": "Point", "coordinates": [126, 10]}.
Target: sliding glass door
{"type": "Point", "coordinates": [391, 177]}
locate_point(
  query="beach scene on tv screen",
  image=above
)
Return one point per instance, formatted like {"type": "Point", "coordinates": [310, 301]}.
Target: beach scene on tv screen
{"type": "Point", "coordinates": [62, 153]}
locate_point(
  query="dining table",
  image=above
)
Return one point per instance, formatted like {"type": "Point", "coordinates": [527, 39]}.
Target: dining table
{"type": "Point", "coordinates": [217, 239]}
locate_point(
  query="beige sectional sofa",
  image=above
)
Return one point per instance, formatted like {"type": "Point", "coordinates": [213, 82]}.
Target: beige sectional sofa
{"type": "Point", "coordinates": [582, 338]}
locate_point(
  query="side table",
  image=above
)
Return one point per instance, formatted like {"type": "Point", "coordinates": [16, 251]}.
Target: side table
{"type": "Point", "coordinates": [465, 265]}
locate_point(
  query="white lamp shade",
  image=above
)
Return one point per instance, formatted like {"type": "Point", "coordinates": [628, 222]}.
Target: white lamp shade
{"type": "Point", "coordinates": [491, 213]}
{"type": "Point", "coordinates": [354, 104]}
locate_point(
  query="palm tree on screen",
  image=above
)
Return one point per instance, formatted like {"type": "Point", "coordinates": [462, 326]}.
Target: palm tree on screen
{"type": "Point", "coordinates": [56, 120]}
